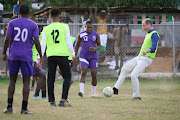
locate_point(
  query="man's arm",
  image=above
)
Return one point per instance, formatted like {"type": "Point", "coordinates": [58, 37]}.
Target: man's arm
{"type": "Point", "coordinates": [108, 13]}
{"type": "Point", "coordinates": [95, 13]}
{"type": "Point", "coordinates": [155, 40]}
{"type": "Point", "coordinates": [6, 44]}
{"type": "Point", "coordinates": [38, 47]}
{"type": "Point", "coordinates": [77, 45]}
{"type": "Point", "coordinates": [69, 42]}
{"type": "Point", "coordinates": [90, 13]}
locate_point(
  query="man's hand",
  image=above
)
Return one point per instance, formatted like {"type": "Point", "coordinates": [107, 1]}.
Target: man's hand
{"type": "Point", "coordinates": [40, 62]}
{"type": "Point", "coordinates": [92, 49]}
{"type": "Point", "coordinates": [145, 52]}
{"type": "Point", "coordinates": [74, 60]}
{"type": "Point", "coordinates": [4, 58]}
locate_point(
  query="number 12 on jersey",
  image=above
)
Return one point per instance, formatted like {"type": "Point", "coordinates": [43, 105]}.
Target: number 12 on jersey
{"type": "Point", "coordinates": [53, 35]}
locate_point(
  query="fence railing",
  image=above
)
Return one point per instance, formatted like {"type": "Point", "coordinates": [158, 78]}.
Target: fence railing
{"type": "Point", "coordinates": [122, 42]}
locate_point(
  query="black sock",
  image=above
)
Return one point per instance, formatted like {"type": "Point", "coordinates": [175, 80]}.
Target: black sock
{"type": "Point", "coordinates": [10, 101]}
{"type": "Point", "coordinates": [44, 94]}
{"type": "Point", "coordinates": [36, 93]}
{"type": "Point", "coordinates": [24, 105]}
{"type": "Point", "coordinates": [33, 82]}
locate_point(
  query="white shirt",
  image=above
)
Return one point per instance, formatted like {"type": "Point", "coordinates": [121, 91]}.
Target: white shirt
{"type": "Point", "coordinates": [68, 41]}
{"type": "Point", "coordinates": [1, 7]}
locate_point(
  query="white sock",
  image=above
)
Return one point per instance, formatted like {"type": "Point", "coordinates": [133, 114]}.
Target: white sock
{"type": "Point", "coordinates": [81, 87]}
{"type": "Point", "coordinates": [93, 90]}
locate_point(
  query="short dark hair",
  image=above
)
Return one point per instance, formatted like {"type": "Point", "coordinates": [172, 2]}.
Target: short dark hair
{"type": "Point", "coordinates": [148, 21]}
{"type": "Point", "coordinates": [55, 12]}
{"type": "Point", "coordinates": [89, 22]}
{"type": "Point", "coordinates": [24, 10]}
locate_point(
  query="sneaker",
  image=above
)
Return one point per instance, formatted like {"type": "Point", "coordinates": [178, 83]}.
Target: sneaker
{"type": "Point", "coordinates": [8, 111]}
{"type": "Point", "coordinates": [36, 97]}
{"type": "Point", "coordinates": [52, 104]}
{"type": "Point", "coordinates": [32, 88]}
{"type": "Point", "coordinates": [44, 98]}
{"type": "Point", "coordinates": [80, 94]}
{"type": "Point", "coordinates": [93, 96]}
{"type": "Point", "coordinates": [136, 98]}
{"type": "Point", "coordinates": [64, 104]}
{"type": "Point", "coordinates": [115, 91]}
{"type": "Point", "coordinates": [25, 111]}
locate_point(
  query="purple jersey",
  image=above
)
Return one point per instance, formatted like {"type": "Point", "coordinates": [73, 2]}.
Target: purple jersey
{"type": "Point", "coordinates": [22, 32]}
{"type": "Point", "coordinates": [87, 41]}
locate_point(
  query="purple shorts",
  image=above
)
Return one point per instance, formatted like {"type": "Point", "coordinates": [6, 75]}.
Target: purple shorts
{"type": "Point", "coordinates": [90, 63]}
{"type": "Point", "coordinates": [26, 67]}
{"type": "Point", "coordinates": [34, 71]}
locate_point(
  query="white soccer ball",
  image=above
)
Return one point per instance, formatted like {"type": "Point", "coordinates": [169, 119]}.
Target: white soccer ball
{"type": "Point", "coordinates": [108, 91]}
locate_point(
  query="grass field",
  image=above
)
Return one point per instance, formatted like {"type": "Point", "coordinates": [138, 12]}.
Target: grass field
{"type": "Point", "coordinates": [160, 101]}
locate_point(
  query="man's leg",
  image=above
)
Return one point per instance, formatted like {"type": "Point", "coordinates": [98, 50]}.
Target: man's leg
{"type": "Point", "coordinates": [26, 86]}
{"type": "Point", "coordinates": [11, 89]}
{"type": "Point", "coordinates": [143, 62]}
{"type": "Point", "coordinates": [125, 70]}
{"type": "Point", "coordinates": [82, 80]}
{"type": "Point", "coordinates": [64, 66]}
{"type": "Point", "coordinates": [33, 82]}
{"type": "Point", "coordinates": [93, 81]}
{"type": "Point", "coordinates": [51, 78]}
{"type": "Point", "coordinates": [41, 83]}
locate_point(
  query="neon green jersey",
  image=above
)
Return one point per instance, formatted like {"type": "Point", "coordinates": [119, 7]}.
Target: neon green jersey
{"type": "Point", "coordinates": [147, 44]}
{"type": "Point", "coordinates": [56, 39]}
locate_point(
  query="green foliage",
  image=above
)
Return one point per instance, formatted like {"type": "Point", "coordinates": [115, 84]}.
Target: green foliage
{"type": "Point", "coordinates": [8, 4]}
{"type": "Point", "coordinates": [114, 3]}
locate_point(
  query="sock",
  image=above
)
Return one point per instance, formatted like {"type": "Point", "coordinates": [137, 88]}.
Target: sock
{"type": "Point", "coordinates": [44, 94]}
{"type": "Point", "coordinates": [10, 101]}
{"type": "Point", "coordinates": [36, 93]}
{"type": "Point", "coordinates": [81, 87]}
{"type": "Point", "coordinates": [24, 105]}
{"type": "Point", "coordinates": [93, 90]}
{"type": "Point", "coordinates": [33, 82]}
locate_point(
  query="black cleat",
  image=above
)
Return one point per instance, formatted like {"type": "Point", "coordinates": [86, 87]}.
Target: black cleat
{"type": "Point", "coordinates": [52, 104]}
{"type": "Point", "coordinates": [25, 111]}
{"type": "Point", "coordinates": [136, 98]}
{"type": "Point", "coordinates": [80, 94]}
{"type": "Point", "coordinates": [8, 111]}
{"type": "Point", "coordinates": [64, 104]}
{"type": "Point", "coordinates": [115, 91]}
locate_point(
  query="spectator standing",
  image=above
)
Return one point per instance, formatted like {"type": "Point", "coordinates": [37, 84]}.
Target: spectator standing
{"type": "Point", "coordinates": [110, 41]}
{"type": "Point", "coordinates": [65, 18]}
{"type": "Point", "coordinates": [120, 44]}
{"type": "Point", "coordinates": [16, 8]}
{"type": "Point", "coordinates": [84, 19]}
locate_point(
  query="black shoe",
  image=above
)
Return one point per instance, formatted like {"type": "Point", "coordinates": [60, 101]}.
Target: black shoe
{"type": "Point", "coordinates": [52, 104]}
{"type": "Point", "coordinates": [64, 104]}
{"type": "Point", "coordinates": [116, 68]}
{"type": "Point", "coordinates": [80, 94]}
{"type": "Point", "coordinates": [136, 98]}
{"type": "Point", "coordinates": [115, 91]}
{"type": "Point", "coordinates": [25, 111]}
{"type": "Point", "coordinates": [8, 111]}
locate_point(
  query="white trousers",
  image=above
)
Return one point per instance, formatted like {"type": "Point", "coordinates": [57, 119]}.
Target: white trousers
{"type": "Point", "coordinates": [103, 39]}
{"type": "Point", "coordinates": [138, 65]}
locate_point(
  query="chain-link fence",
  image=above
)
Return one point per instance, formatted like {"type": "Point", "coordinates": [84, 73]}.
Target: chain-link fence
{"type": "Point", "coordinates": [122, 42]}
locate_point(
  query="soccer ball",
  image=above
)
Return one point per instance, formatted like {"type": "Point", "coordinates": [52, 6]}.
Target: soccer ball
{"type": "Point", "coordinates": [108, 91]}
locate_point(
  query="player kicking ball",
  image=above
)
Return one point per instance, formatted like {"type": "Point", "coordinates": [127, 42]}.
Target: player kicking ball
{"type": "Point", "coordinates": [90, 42]}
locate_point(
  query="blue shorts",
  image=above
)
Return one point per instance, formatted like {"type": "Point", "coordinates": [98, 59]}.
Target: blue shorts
{"type": "Point", "coordinates": [26, 67]}
{"type": "Point", "coordinates": [90, 63]}
{"type": "Point", "coordinates": [35, 71]}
